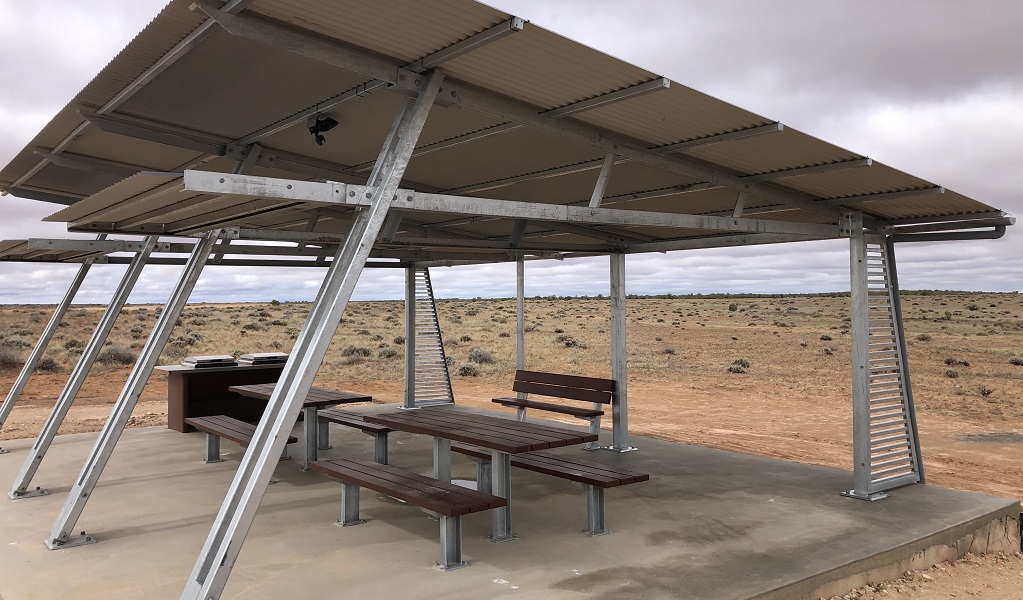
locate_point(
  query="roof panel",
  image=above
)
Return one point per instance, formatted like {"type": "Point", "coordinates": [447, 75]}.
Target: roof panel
{"type": "Point", "coordinates": [225, 88]}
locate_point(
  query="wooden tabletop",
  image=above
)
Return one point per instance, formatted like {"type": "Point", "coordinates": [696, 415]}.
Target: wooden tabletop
{"type": "Point", "coordinates": [486, 431]}
{"type": "Point", "coordinates": [316, 397]}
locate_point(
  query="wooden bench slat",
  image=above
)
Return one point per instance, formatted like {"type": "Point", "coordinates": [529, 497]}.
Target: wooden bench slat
{"type": "Point", "coordinates": [228, 428]}
{"type": "Point", "coordinates": [577, 469]}
{"type": "Point", "coordinates": [440, 497]}
{"type": "Point", "coordinates": [565, 467]}
{"type": "Point", "coordinates": [351, 419]}
{"type": "Point", "coordinates": [555, 391]}
{"type": "Point", "coordinates": [574, 411]}
{"type": "Point", "coordinates": [579, 381]}
{"type": "Point", "coordinates": [540, 439]}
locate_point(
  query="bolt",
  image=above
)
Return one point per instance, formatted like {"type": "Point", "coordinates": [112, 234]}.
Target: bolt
{"type": "Point", "coordinates": [221, 180]}
{"type": "Point", "coordinates": [289, 186]}
{"type": "Point", "coordinates": [352, 193]}
{"type": "Point", "coordinates": [369, 194]}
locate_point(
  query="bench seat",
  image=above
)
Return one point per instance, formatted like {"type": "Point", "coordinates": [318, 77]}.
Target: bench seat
{"type": "Point", "coordinates": [592, 391]}
{"type": "Point", "coordinates": [223, 426]}
{"type": "Point", "coordinates": [595, 477]}
{"type": "Point", "coordinates": [448, 500]}
{"type": "Point", "coordinates": [575, 411]}
{"type": "Point", "coordinates": [350, 419]}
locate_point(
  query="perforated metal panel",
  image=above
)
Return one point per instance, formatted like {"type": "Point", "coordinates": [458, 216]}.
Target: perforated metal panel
{"type": "Point", "coordinates": [433, 382]}
{"type": "Point", "coordinates": [892, 454]}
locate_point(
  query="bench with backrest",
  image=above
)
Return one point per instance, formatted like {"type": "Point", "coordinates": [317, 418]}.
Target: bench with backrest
{"type": "Point", "coordinates": [222, 426]}
{"type": "Point", "coordinates": [447, 500]}
{"type": "Point", "coordinates": [350, 419]}
{"type": "Point", "coordinates": [591, 390]}
{"type": "Point", "coordinates": [595, 477]}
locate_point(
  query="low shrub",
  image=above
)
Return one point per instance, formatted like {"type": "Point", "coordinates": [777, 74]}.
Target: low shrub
{"type": "Point", "coordinates": [9, 360]}
{"type": "Point", "coordinates": [387, 352]}
{"type": "Point", "coordinates": [826, 338]}
{"type": "Point", "coordinates": [399, 340]}
{"type": "Point", "coordinates": [1016, 360]}
{"type": "Point", "coordinates": [468, 370]}
{"type": "Point", "coordinates": [357, 351]}
{"type": "Point", "coordinates": [117, 355]}
{"type": "Point", "coordinates": [47, 364]}
{"type": "Point", "coordinates": [481, 356]}
{"type": "Point", "coordinates": [923, 337]}
{"type": "Point", "coordinates": [951, 373]}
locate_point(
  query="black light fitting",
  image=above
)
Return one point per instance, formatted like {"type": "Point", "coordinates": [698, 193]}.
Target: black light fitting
{"type": "Point", "coordinates": [319, 124]}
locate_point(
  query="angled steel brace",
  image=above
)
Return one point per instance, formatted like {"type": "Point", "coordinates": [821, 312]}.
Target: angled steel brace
{"type": "Point", "coordinates": [44, 340]}
{"type": "Point", "coordinates": [78, 375]}
{"type": "Point", "coordinates": [214, 564]}
{"type": "Point", "coordinates": [60, 535]}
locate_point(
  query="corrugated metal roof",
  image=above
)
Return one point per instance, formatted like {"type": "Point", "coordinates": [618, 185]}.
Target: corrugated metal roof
{"type": "Point", "coordinates": [226, 88]}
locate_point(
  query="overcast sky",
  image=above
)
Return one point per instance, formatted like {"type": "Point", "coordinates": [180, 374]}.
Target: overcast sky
{"type": "Point", "coordinates": [932, 88]}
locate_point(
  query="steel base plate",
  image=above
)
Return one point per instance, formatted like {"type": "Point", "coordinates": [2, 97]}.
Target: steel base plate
{"type": "Point", "coordinates": [625, 449]}
{"type": "Point", "coordinates": [460, 565]}
{"type": "Point", "coordinates": [868, 497]}
{"type": "Point", "coordinates": [29, 494]}
{"type": "Point", "coordinates": [506, 538]}
{"type": "Point", "coordinates": [73, 541]}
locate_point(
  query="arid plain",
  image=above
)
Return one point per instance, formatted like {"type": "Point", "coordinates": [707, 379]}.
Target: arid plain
{"type": "Point", "coordinates": [792, 401]}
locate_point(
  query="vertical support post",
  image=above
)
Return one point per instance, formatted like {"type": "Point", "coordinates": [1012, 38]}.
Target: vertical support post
{"type": "Point", "coordinates": [520, 316]}
{"type": "Point", "coordinates": [323, 435]}
{"type": "Point", "coordinates": [619, 358]}
{"type": "Point", "coordinates": [212, 449]}
{"type": "Point", "coordinates": [451, 543]}
{"type": "Point", "coordinates": [215, 561]}
{"type": "Point", "coordinates": [312, 443]}
{"type": "Point", "coordinates": [92, 470]}
{"type": "Point", "coordinates": [860, 323]}
{"type": "Point", "coordinates": [893, 278]}
{"type": "Point", "coordinates": [78, 375]}
{"type": "Point", "coordinates": [349, 505]}
{"type": "Point", "coordinates": [501, 519]}
{"type": "Point", "coordinates": [595, 510]}
{"type": "Point", "coordinates": [410, 337]}
{"type": "Point", "coordinates": [380, 447]}
{"type": "Point", "coordinates": [44, 340]}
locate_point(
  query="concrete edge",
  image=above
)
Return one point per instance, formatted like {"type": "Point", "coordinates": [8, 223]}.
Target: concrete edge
{"type": "Point", "coordinates": [998, 531]}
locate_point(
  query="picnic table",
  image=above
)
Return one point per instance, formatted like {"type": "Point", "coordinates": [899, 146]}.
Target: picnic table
{"type": "Point", "coordinates": [502, 436]}
{"type": "Point", "coordinates": [317, 436]}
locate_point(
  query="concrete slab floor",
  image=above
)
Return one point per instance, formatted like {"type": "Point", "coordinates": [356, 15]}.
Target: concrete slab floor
{"type": "Point", "coordinates": [708, 524]}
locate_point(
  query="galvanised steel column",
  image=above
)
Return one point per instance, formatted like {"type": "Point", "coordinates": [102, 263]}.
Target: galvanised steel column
{"type": "Point", "coordinates": [224, 543]}
{"type": "Point", "coordinates": [619, 358]}
{"type": "Point", "coordinates": [520, 314]}
{"type": "Point", "coordinates": [410, 337]}
{"type": "Point", "coordinates": [74, 383]}
{"type": "Point", "coordinates": [859, 323]}
{"type": "Point", "coordinates": [44, 340]}
{"type": "Point", "coordinates": [92, 470]}
{"type": "Point", "coordinates": [893, 284]}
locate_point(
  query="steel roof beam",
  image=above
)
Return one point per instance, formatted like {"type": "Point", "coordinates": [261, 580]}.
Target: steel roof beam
{"type": "Point", "coordinates": [87, 163]}
{"type": "Point", "coordinates": [409, 200]}
{"type": "Point", "coordinates": [719, 138]}
{"type": "Point", "coordinates": [855, 163]}
{"type": "Point", "coordinates": [885, 196]}
{"type": "Point", "coordinates": [995, 214]}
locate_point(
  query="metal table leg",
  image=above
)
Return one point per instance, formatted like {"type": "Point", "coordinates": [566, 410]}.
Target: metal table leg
{"type": "Point", "coordinates": [311, 436]}
{"type": "Point", "coordinates": [442, 459]}
{"type": "Point", "coordinates": [501, 483]}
